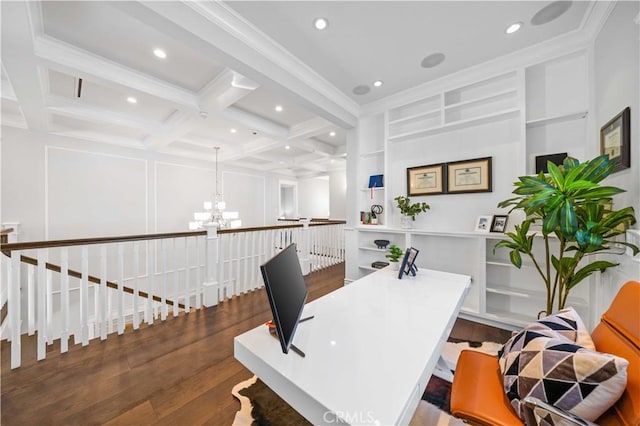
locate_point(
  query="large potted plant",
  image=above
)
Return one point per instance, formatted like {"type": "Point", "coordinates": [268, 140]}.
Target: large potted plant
{"type": "Point", "coordinates": [574, 209]}
{"type": "Point", "coordinates": [408, 210]}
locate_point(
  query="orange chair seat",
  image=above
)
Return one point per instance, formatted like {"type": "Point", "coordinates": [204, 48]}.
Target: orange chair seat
{"type": "Point", "coordinates": [480, 397]}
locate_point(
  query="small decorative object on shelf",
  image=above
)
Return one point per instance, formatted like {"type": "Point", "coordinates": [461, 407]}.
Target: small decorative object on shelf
{"type": "Point", "coordinates": [376, 210]}
{"type": "Point", "coordinates": [394, 255]}
{"type": "Point", "coordinates": [409, 210]}
{"type": "Point", "coordinates": [499, 223]}
{"type": "Point", "coordinates": [379, 265]}
{"type": "Point", "coordinates": [381, 244]}
{"type": "Point", "coordinates": [483, 223]}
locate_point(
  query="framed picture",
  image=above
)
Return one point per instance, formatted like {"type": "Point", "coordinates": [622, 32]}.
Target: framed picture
{"type": "Point", "coordinates": [615, 140]}
{"type": "Point", "coordinates": [499, 223]}
{"type": "Point", "coordinates": [469, 176]}
{"type": "Point", "coordinates": [425, 180]}
{"type": "Point", "coordinates": [483, 223]}
{"type": "Point", "coordinates": [408, 266]}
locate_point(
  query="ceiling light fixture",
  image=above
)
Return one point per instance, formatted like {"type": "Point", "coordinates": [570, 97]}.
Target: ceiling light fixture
{"type": "Point", "coordinates": [233, 130]}
{"type": "Point", "coordinates": [361, 90]}
{"type": "Point", "coordinates": [279, 108]}
{"type": "Point", "coordinates": [320, 24]}
{"type": "Point", "coordinates": [160, 53]}
{"type": "Point", "coordinates": [378, 83]}
{"type": "Point", "coordinates": [332, 134]}
{"type": "Point", "coordinates": [287, 147]}
{"type": "Point", "coordinates": [132, 100]}
{"type": "Point", "coordinates": [550, 12]}
{"type": "Point", "coordinates": [513, 27]}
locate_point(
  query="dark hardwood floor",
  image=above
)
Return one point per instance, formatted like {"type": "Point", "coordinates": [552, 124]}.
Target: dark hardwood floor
{"type": "Point", "coordinates": [177, 373]}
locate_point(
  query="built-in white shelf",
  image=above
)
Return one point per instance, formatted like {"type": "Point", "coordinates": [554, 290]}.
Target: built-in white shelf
{"type": "Point", "coordinates": [494, 96]}
{"type": "Point", "coordinates": [431, 113]}
{"type": "Point", "coordinates": [370, 154]}
{"type": "Point", "coordinates": [375, 188]}
{"type": "Point", "coordinates": [553, 119]}
{"type": "Point", "coordinates": [454, 125]}
{"type": "Point", "coordinates": [373, 249]}
{"type": "Point", "coordinates": [539, 295]}
{"type": "Point", "coordinates": [367, 268]}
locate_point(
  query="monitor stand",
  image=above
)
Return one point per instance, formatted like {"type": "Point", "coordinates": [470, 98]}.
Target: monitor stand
{"type": "Point", "coordinates": [274, 333]}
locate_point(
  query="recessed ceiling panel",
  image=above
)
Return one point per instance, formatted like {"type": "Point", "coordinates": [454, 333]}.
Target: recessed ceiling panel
{"type": "Point", "coordinates": [105, 30]}
{"type": "Point", "coordinates": [263, 102]}
{"type": "Point", "coordinates": [146, 107]}
{"type": "Point", "coordinates": [63, 124]}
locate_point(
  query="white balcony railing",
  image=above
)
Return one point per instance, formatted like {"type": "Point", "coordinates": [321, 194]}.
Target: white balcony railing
{"type": "Point", "coordinates": [89, 288]}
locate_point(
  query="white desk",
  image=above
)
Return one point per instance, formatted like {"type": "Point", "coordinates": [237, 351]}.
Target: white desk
{"type": "Point", "coordinates": [370, 349]}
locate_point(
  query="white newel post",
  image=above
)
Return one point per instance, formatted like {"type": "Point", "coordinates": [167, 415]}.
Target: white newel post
{"type": "Point", "coordinates": [210, 291]}
{"type": "Point", "coordinates": [305, 246]}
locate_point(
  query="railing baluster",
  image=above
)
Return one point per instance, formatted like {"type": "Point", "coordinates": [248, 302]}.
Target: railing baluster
{"type": "Point", "coordinates": [120, 288]}
{"type": "Point", "coordinates": [84, 295]}
{"type": "Point", "coordinates": [49, 307]}
{"type": "Point", "coordinates": [103, 292]}
{"type": "Point", "coordinates": [42, 305]}
{"type": "Point", "coordinates": [187, 280]}
{"type": "Point", "coordinates": [14, 309]}
{"type": "Point", "coordinates": [136, 284]}
{"type": "Point", "coordinates": [174, 296]}
{"type": "Point", "coordinates": [64, 300]}
{"type": "Point", "coordinates": [163, 278]}
{"type": "Point", "coordinates": [31, 301]}
{"type": "Point", "coordinates": [151, 274]}
{"type": "Point", "coordinates": [198, 276]}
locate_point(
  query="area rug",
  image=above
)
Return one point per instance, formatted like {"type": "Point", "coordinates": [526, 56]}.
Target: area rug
{"type": "Point", "coordinates": [259, 405]}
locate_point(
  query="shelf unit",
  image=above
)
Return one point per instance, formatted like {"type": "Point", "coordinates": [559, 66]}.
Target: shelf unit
{"type": "Point", "coordinates": [516, 114]}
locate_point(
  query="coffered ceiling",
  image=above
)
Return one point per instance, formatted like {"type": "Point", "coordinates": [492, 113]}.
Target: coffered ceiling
{"type": "Point", "coordinates": [87, 69]}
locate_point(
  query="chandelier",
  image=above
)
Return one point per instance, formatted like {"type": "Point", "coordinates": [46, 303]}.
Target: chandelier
{"type": "Point", "coordinates": [215, 210]}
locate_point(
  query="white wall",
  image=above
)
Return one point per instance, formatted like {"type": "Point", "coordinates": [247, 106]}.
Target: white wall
{"type": "Point", "coordinates": [63, 188]}
{"type": "Point", "coordinates": [338, 194]}
{"type": "Point", "coordinates": [313, 197]}
{"type": "Point", "coordinates": [617, 86]}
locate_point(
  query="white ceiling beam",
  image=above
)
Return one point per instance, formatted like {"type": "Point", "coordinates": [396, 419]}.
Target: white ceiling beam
{"type": "Point", "coordinates": [81, 110]}
{"type": "Point", "coordinates": [252, 149]}
{"type": "Point", "coordinates": [315, 146]}
{"type": "Point", "coordinates": [79, 63]}
{"type": "Point", "coordinates": [219, 31]}
{"type": "Point", "coordinates": [20, 27]}
{"type": "Point", "coordinates": [99, 137]}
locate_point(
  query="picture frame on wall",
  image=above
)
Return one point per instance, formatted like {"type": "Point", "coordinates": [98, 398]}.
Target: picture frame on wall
{"type": "Point", "coordinates": [426, 180]}
{"type": "Point", "coordinates": [615, 140]}
{"type": "Point", "coordinates": [499, 223]}
{"type": "Point", "coordinates": [469, 176]}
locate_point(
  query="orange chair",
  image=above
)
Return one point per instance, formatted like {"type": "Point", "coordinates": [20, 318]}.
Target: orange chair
{"type": "Point", "coordinates": [478, 397]}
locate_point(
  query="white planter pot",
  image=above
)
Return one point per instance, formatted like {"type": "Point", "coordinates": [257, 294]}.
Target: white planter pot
{"type": "Point", "coordinates": [406, 222]}
{"type": "Point", "coordinates": [394, 265]}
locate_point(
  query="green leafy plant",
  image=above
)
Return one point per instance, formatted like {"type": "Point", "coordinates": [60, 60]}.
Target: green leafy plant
{"type": "Point", "coordinates": [408, 209]}
{"type": "Point", "coordinates": [395, 253]}
{"type": "Point", "coordinates": [574, 209]}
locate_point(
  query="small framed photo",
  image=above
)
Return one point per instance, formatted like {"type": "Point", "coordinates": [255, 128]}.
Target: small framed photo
{"type": "Point", "coordinates": [425, 180]}
{"type": "Point", "coordinates": [499, 223]}
{"type": "Point", "coordinates": [483, 223]}
{"type": "Point", "coordinates": [469, 176]}
{"type": "Point", "coordinates": [615, 140]}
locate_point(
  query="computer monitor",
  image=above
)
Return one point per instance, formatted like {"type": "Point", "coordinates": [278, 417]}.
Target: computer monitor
{"type": "Point", "coordinates": [287, 293]}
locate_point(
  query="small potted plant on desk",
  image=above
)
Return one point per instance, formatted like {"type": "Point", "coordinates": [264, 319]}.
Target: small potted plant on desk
{"type": "Point", "coordinates": [409, 211]}
{"type": "Point", "coordinates": [394, 255]}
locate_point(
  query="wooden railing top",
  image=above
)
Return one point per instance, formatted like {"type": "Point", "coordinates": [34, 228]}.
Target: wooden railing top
{"type": "Point", "coordinates": [6, 248]}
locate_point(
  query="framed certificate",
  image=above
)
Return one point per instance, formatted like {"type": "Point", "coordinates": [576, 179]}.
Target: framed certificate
{"type": "Point", "coordinates": [615, 140]}
{"type": "Point", "coordinates": [425, 180]}
{"type": "Point", "coordinates": [469, 176]}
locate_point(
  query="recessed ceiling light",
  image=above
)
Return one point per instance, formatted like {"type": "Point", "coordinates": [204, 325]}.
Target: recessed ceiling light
{"type": "Point", "coordinates": [378, 83]}
{"type": "Point", "coordinates": [332, 134]}
{"type": "Point", "coordinates": [132, 100]}
{"type": "Point", "coordinates": [287, 147]}
{"type": "Point", "coordinates": [432, 60]}
{"type": "Point", "coordinates": [361, 90]}
{"type": "Point", "coordinates": [160, 53]}
{"type": "Point", "coordinates": [233, 130]}
{"type": "Point", "coordinates": [321, 23]}
{"type": "Point", "coordinates": [513, 27]}
{"type": "Point", "coordinates": [279, 108]}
